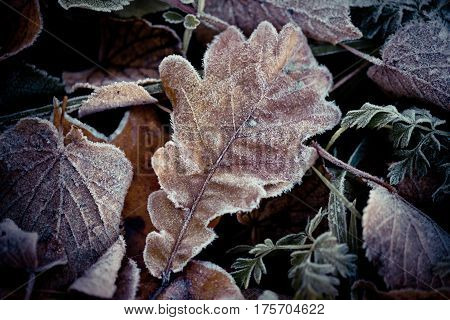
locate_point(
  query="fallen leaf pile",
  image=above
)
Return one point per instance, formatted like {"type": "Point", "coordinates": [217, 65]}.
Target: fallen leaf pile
{"type": "Point", "coordinates": [191, 155]}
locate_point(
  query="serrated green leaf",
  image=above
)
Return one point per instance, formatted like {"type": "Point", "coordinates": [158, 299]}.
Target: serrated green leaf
{"type": "Point", "coordinates": [173, 17]}
{"type": "Point", "coordinates": [191, 22]}
{"type": "Point", "coordinates": [313, 281]}
{"type": "Point", "coordinates": [415, 136]}
{"type": "Point", "coordinates": [371, 116]}
{"type": "Point", "coordinates": [384, 17]}
{"type": "Point", "coordinates": [292, 239]}
{"type": "Point", "coordinates": [314, 222]}
{"type": "Point", "coordinates": [328, 251]}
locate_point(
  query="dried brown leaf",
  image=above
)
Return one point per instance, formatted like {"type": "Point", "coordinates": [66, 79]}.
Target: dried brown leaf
{"type": "Point", "coordinates": [130, 50]}
{"type": "Point", "coordinates": [20, 25]}
{"type": "Point", "coordinates": [18, 248]}
{"type": "Point", "coordinates": [403, 242]}
{"type": "Point", "coordinates": [202, 280]}
{"type": "Point", "coordinates": [416, 63]}
{"type": "Point", "coordinates": [127, 281]}
{"type": "Point", "coordinates": [116, 95]}
{"type": "Point", "coordinates": [99, 280]}
{"type": "Point", "coordinates": [141, 136]}
{"type": "Point", "coordinates": [368, 291]}
{"type": "Point", "coordinates": [67, 189]}
{"type": "Point", "coordinates": [324, 20]}
{"type": "Point", "coordinates": [238, 134]}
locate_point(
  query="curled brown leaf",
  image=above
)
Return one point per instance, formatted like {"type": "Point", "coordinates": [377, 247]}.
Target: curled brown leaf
{"type": "Point", "coordinates": [116, 95]}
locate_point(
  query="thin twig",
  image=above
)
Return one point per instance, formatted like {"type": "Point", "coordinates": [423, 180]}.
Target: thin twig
{"type": "Point", "coordinates": [30, 285]}
{"type": "Point", "coordinates": [324, 154]}
{"type": "Point", "coordinates": [362, 55]}
{"type": "Point", "coordinates": [349, 76]}
{"type": "Point", "coordinates": [338, 194]}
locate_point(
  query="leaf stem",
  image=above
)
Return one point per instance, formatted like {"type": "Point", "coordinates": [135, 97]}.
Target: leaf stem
{"type": "Point", "coordinates": [364, 175]}
{"type": "Point", "coordinates": [335, 136]}
{"type": "Point", "coordinates": [338, 194]}
{"type": "Point", "coordinates": [30, 285]}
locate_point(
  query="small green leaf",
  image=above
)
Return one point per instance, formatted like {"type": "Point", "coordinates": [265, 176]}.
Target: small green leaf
{"type": "Point", "coordinates": [328, 251]}
{"type": "Point", "coordinates": [187, 1]}
{"type": "Point", "coordinates": [173, 17]}
{"type": "Point", "coordinates": [292, 239]}
{"type": "Point", "coordinates": [314, 222]}
{"type": "Point", "coordinates": [313, 280]}
{"type": "Point", "coordinates": [191, 22]}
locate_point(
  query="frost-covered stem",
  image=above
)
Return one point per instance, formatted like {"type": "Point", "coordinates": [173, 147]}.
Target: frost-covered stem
{"type": "Point", "coordinates": [293, 247]}
{"type": "Point", "coordinates": [337, 193]}
{"type": "Point", "coordinates": [187, 35]}
{"type": "Point", "coordinates": [201, 6]}
{"type": "Point", "coordinates": [362, 55]}
{"type": "Point", "coordinates": [327, 156]}
{"type": "Point", "coordinates": [349, 76]}
{"type": "Point", "coordinates": [30, 285]}
{"type": "Point", "coordinates": [335, 136]}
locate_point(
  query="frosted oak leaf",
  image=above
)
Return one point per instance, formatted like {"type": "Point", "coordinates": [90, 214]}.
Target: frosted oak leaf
{"type": "Point", "coordinates": [238, 135]}
{"type": "Point", "coordinates": [67, 189]}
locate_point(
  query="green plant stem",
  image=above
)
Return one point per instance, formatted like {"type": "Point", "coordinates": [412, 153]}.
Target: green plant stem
{"type": "Point", "coordinates": [335, 136]}
{"type": "Point", "coordinates": [364, 175]}
{"type": "Point", "coordinates": [201, 6]}
{"type": "Point", "coordinates": [187, 35]}
{"type": "Point", "coordinates": [338, 194]}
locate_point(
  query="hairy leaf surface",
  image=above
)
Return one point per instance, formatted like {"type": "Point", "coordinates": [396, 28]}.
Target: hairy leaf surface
{"type": "Point", "coordinates": [325, 20]}
{"type": "Point", "coordinates": [238, 135]}
{"type": "Point", "coordinates": [385, 17]}
{"type": "Point", "coordinates": [416, 63]}
{"type": "Point", "coordinates": [67, 189]}
{"type": "Point", "coordinates": [404, 243]}
{"type": "Point", "coordinates": [116, 95]}
{"type": "Point", "coordinates": [130, 50]}
{"type": "Point", "coordinates": [97, 5]}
